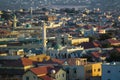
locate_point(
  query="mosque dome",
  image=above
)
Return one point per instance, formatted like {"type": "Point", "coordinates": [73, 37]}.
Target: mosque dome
{"type": "Point", "coordinates": [57, 46]}
{"type": "Point", "coordinates": [28, 26]}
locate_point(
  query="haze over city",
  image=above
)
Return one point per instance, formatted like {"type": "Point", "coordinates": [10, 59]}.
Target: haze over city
{"type": "Point", "coordinates": [17, 4]}
{"type": "Point", "coordinates": [59, 40]}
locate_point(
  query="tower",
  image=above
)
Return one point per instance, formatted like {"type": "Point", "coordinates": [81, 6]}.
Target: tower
{"type": "Point", "coordinates": [31, 12]}
{"type": "Point", "coordinates": [14, 22]}
{"type": "Point", "coordinates": [44, 37]}
{"type": "Point", "coordinates": [0, 13]}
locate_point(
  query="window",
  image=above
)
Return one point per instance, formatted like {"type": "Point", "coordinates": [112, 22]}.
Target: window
{"type": "Point", "coordinates": [57, 76]}
{"type": "Point", "coordinates": [89, 71]}
{"type": "Point", "coordinates": [75, 71]}
{"type": "Point", "coordinates": [68, 71]}
{"type": "Point", "coordinates": [108, 71]}
{"type": "Point", "coordinates": [99, 69]}
{"type": "Point", "coordinates": [62, 75]}
{"type": "Point", "coordinates": [94, 70]}
{"type": "Point", "coordinates": [38, 59]}
{"type": "Point", "coordinates": [34, 77]}
{"type": "Point", "coordinates": [27, 78]}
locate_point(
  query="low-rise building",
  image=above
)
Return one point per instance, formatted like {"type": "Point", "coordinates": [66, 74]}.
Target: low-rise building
{"type": "Point", "coordinates": [14, 69]}
{"type": "Point", "coordinates": [79, 40]}
{"type": "Point", "coordinates": [111, 71]}
{"type": "Point", "coordinates": [81, 70]}
{"type": "Point", "coordinates": [112, 42]}
{"type": "Point", "coordinates": [45, 73]}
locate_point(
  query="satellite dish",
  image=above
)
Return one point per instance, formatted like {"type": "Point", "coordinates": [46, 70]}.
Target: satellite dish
{"type": "Point", "coordinates": [30, 51]}
{"type": "Point", "coordinates": [53, 71]}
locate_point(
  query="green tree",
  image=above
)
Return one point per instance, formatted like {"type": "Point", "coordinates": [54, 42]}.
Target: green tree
{"type": "Point", "coordinates": [6, 16]}
{"type": "Point", "coordinates": [92, 38]}
{"type": "Point", "coordinates": [114, 56]}
{"type": "Point", "coordinates": [89, 58]}
{"type": "Point", "coordinates": [104, 36]}
{"type": "Point", "coordinates": [106, 45]}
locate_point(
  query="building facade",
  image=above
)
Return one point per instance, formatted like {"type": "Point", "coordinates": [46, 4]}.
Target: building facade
{"type": "Point", "coordinates": [80, 69]}
{"type": "Point", "coordinates": [111, 71]}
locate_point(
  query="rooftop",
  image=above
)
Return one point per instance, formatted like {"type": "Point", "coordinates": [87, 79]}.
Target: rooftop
{"type": "Point", "coordinates": [43, 71]}
{"type": "Point", "coordinates": [16, 63]}
{"type": "Point", "coordinates": [112, 63]}
{"type": "Point", "coordinates": [40, 70]}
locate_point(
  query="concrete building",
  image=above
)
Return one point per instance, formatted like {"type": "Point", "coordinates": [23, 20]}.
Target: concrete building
{"type": "Point", "coordinates": [89, 32]}
{"type": "Point", "coordinates": [51, 17]}
{"type": "Point", "coordinates": [79, 40]}
{"type": "Point", "coordinates": [45, 73]}
{"type": "Point", "coordinates": [111, 71]}
{"type": "Point", "coordinates": [39, 58]}
{"type": "Point", "coordinates": [63, 52]}
{"type": "Point", "coordinates": [82, 70]}
{"type": "Point", "coordinates": [63, 39]}
{"type": "Point", "coordinates": [93, 70]}
{"type": "Point", "coordinates": [75, 69]}
{"type": "Point", "coordinates": [13, 69]}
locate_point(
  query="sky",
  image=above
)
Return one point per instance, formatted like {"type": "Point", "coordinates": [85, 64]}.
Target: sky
{"type": "Point", "coordinates": [16, 4]}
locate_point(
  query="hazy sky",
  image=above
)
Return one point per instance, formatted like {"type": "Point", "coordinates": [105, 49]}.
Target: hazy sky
{"type": "Point", "coordinates": [12, 4]}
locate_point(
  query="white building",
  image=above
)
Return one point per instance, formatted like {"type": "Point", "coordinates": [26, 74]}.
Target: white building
{"type": "Point", "coordinates": [80, 69]}
{"type": "Point", "coordinates": [63, 52]}
{"type": "Point", "coordinates": [53, 24]}
{"type": "Point", "coordinates": [75, 68]}
{"type": "Point", "coordinates": [89, 32]}
{"type": "Point", "coordinates": [111, 71]}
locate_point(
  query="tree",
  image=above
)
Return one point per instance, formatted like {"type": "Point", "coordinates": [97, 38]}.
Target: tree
{"type": "Point", "coordinates": [6, 16]}
{"type": "Point", "coordinates": [105, 36]}
{"type": "Point", "coordinates": [89, 58]}
{"type": "Point", "coordinates": [92, 38]}
{"type": "Point", "coordinates": [114, 56]}
{"type": "Point", "coordinates": [105, 45]}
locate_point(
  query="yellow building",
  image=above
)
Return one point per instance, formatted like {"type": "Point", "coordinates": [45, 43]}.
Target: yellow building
{"type": "Point", "coordinates": [79, 40]}
{"type": "Point", "coordinates": [96, 69]}
{"type": "Point", "coordinates": [80, 69]}
{"type": "Point", "coordinates": [39, 58]}
{"type": "Point", "coordinates": [102, 31]}
{"type": "Point", "coordinates": [20, 52]}
{"type": "Point", "coordinates": [51, 18]}
{"type": "Point", "coordinates": [77, 61]}
{"type": "Point", "coordinates": [3, 54]}
{"type": "Point", "coordinates": [93, 70]}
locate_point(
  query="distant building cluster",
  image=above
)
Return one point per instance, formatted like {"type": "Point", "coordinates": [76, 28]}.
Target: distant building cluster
{"type": "Point", "coordinates": [59, 44]}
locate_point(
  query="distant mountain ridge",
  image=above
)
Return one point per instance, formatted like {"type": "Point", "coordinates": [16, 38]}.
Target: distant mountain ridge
{"type": "Point", "coordinates": [17, 4]}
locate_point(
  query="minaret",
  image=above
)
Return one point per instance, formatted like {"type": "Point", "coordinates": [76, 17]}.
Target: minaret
{"type": "Point", "coordinates": [14, 22]}
{"type": "Point", "coordinates": [44, 37]}
{"type": "Point", "coordinates": [31, 12]}
{"type": "Point", "coordinates": [0, 13]}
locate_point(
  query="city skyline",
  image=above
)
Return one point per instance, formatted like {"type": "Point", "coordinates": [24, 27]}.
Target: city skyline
{"type": "Point", "coordinates": [17, 4]}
